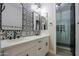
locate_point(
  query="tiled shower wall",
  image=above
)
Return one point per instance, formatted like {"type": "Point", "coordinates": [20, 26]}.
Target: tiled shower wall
{"type": "Point", "coordinates": [63, 25]}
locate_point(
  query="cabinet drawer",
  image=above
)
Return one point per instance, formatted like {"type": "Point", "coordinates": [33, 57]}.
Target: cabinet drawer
{"type": "Point", "coordinates": [42, 40]}
{"type": "Point", "coordinates": [46, 39]}
{"type": "Point", "coordinates": [21, 54]}
{"type": "Point", "coordinates": [24, 53]}
{"type": "Point", "coordinates": [11, 51]}
{"type": "Point", "coordinates": [39, 51]}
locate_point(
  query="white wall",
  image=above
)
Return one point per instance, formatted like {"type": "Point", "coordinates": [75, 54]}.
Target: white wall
{"type": "Point", "coordinates": [50, 7]}
{"type": "Point", "coordinates": [77, 28]}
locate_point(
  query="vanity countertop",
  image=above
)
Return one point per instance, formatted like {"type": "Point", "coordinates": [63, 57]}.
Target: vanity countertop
{"type": "Point", "coordinates": [9, 43]}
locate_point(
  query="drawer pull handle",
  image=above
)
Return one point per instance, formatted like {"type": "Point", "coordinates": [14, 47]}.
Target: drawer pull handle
{"type": "Point", "coordinates": [46, 43]}
{"type": "Point", "coordinates": [78, 23]}
{"type": "Point", "coordinates": [39, 41]}
{"type": "Point", "coordinates": [39, 49]}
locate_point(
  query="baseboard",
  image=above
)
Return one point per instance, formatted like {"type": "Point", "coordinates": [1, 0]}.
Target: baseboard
{"type": "Point", "coordinates": [66, 48]}
{"type": "Point", "coordinates": [52, 52]}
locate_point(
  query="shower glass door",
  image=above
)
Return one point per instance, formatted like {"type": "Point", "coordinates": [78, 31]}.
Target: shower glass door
{"type": "Point", "coordinates": [63, 28]}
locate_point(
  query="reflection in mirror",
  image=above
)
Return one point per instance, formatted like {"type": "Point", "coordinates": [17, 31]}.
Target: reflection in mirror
{"type": "Point", "coordinates": [36, 18]}
{"type": "Point", "coordinates": [43, 23]}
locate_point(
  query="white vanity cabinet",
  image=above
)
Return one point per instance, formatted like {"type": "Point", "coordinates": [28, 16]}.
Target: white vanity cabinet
{"type": "Point", "coordinates": [38, 47]}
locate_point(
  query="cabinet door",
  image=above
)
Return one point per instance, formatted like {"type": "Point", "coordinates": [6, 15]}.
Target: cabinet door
{"type": "Point", "coordinates": [45, 48]}
{"type": "Point", "coordinates": [46, 43]}
{"type": "Point", "coordinates": [24, 53]}
{"type": "Point", "coordinates": [14, 50]}
{"type": "Point", "coordinates": [33, 51]}
{"type": "Point", "coordinates": [21, 54]}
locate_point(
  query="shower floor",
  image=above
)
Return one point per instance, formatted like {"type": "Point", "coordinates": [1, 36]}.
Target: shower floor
{"type": "Point", "coordinates": [63, 51]}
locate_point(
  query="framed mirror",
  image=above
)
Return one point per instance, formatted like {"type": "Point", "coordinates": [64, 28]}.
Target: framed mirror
{"type": "Point", "coordinates": [43, 23]}
{"type": "Point", "coordinates": [12, 16]}
{"type": "Point", "coordinates": [36, 27]}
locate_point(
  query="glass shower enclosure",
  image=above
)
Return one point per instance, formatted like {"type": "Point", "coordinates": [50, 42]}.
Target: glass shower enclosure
{"type": "Point", "coordinates": [65, 26]}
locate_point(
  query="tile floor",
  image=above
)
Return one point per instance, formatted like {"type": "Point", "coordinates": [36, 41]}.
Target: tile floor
{"type": "Point", "coordinates": [61, 52]}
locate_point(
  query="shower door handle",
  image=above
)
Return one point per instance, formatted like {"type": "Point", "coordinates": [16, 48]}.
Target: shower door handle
{"type": "Point", "coordinates": [78, 23]}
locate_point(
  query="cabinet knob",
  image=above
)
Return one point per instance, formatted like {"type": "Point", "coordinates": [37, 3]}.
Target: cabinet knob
{"type": "Point", "coordinates": [39, 48]}
{"type": "Point", "coordinates": [78, 23]}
